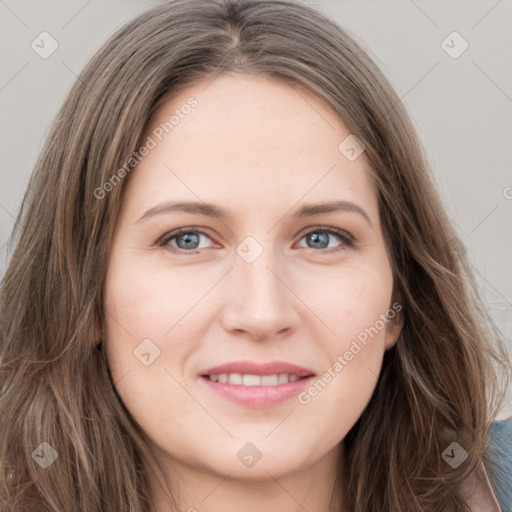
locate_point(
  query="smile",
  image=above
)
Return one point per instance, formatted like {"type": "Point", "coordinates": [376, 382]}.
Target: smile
{"type": "Point", "coordinates": [257, 385]}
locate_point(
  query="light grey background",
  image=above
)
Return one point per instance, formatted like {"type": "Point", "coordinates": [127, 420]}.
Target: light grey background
{"type": "Point", "coordinates": [461, 106]}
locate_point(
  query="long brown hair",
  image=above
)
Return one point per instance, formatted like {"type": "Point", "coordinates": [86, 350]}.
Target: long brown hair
{"type": "Point", "coordinates": [442, 381]}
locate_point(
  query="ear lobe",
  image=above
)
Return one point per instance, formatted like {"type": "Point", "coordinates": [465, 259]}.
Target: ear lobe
{"type": "Point", "coordinates": [393, 330]}
{"type": "Point", "coordinates": [394, 325]}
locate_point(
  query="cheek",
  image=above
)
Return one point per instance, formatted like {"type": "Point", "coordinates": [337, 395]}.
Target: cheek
{"type": "Point", "coordinates": [141, 306]}
{"type": "Point", "coordinates": [150, 332]}
{"type": "Point", "coordinates": [354, 307]}
{"type": "Point", "coordinates": [351, 304]}
{"type": "Point", "coordinates": [149, 299]}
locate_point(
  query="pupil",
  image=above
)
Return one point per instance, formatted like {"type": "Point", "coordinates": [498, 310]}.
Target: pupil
{"type": "Point", "coordinates": [322, 238]}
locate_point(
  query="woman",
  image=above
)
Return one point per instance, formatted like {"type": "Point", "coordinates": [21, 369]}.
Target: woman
{"type": "Point", "coordinates": [235, 286]}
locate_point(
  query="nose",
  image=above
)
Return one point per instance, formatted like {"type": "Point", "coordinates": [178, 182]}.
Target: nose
{"type": "Point", "coordinates": [259, 301]}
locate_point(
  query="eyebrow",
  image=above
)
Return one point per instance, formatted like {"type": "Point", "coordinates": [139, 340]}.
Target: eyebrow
{"type": "Point", "coordinates": [212, 210]}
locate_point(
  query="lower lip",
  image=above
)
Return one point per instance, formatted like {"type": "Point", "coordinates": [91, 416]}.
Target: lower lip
{"type": "Point", "coordinates": [258, 396]}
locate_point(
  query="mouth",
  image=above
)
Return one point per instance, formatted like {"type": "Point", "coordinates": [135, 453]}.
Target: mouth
{"type": "Point", "coordinates": [257, 385]}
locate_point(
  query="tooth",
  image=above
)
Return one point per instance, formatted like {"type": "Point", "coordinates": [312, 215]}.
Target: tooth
{"type": "Point", "coordinates": [282, 378]}
{"type": "Point", "coordinates": [235, 378]}
{"type": "Point", "coordinates": [252, 380]}
{"type": "Point", "coordinates": [269, 380]}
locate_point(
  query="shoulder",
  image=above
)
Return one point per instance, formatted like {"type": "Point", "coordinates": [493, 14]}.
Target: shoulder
{"type": "Point", "coordinates": [500, 458]}
{"type": "Point", "coordinates": [501, 430]}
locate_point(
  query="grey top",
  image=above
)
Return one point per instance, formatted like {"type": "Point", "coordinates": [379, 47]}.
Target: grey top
{"type": "Point", "coordinates": [500, 471]}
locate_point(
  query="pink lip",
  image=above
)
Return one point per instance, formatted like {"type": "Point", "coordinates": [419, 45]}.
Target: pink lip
{"type": "Point", "coordinates": [250, 368]}
{"type": "Point", "coordinates": [258, 396]}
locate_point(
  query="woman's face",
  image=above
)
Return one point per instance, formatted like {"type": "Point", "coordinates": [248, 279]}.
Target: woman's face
{"type": "Point", "coordinates": [295, 314]}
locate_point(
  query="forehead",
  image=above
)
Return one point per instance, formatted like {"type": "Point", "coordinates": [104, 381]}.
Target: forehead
{"type": "Point", "coordinates": [258, 139]}
{"type": "Point", "coordinates": [236, 112]}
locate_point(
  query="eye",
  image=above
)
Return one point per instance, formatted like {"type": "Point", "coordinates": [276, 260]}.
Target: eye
{"type": "Point", "coordinates": [187, 240]}
{"type": "Point", "coordinates": [319, 238]}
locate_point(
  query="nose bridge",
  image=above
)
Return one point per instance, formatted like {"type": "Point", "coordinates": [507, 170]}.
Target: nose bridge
{"type": "Point", "coordinates": [256, 267]}
{"type": "Point", "coordinates": [260, 302]}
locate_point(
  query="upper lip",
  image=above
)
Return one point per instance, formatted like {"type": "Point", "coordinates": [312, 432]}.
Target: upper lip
{"type": "Point", "coordinates": [252, 368]}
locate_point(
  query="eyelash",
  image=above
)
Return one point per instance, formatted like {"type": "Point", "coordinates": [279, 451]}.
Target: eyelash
{"type": "Point", "coordinates": [347, 240]}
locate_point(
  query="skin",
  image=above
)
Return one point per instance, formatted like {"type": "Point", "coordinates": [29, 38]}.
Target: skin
{"type": "Point", "coordinates": [260, 149]}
